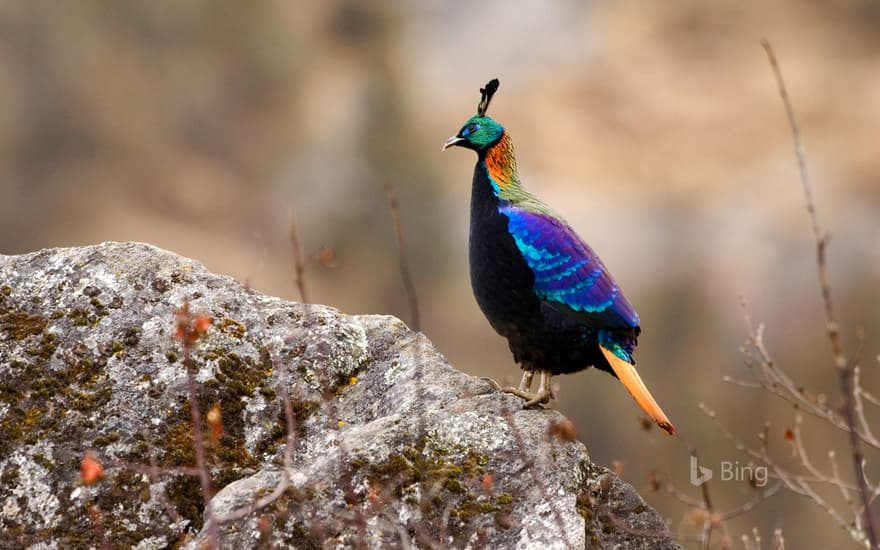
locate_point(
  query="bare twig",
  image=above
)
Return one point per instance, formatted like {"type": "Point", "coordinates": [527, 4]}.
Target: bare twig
{"type": "Point", "coordinates": [285, 482]}
{"type": "Point", "coordinates": [749, 505]}
{"type": "Point", "coordinates": [796, 483]}
{"type": "Point", "coordinates": [299, 263]}
{"type": "Point", "coordinates": [711, 521]}
{"type": "Point", "coordinates": [776, 381]}
{"type": "Point", "coordinates": [198, 444]}
{"type": "Point", "coordinates": [684, 498]}
{"type": "Point", "coordinates": [189, 329]}
{"type": "Point", "coordinates": [845, 368]}
{"type": "Point", "coordinates": [870, 398]}
{"type": "Point", "coordinates": [405, 274]}
{"type": "Point", "coordinates": [836, 480]}
{"type": "Point", "coordinates": [97, 518]}
{"type": "Point", "coordinates": [858, 394]}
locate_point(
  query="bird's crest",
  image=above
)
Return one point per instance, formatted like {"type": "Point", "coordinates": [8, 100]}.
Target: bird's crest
{"type": "Point", "coordinates": [487, 93]}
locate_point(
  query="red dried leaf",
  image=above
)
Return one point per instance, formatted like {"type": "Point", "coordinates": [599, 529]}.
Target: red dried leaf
{"type": "Point", "coordinates": [562, 429]}
{"type": "Point", "coordinates": [190, 326]}
{"type": "Point", "coordinates": [326, 256]}
{"type": "Point", "coordinates": [90, 469]}
{"type": "Point", "coordinates": [215, 423]}
{"type": "Point", "coordinates": [487, 482]}
{"type": "Point", "coordinates": [201, 324]}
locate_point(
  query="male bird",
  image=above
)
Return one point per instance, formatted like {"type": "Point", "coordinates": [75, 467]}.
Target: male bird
{"type": "Point", "coordinates": [538, 283]}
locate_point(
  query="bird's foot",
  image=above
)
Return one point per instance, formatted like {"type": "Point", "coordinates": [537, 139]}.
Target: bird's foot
{"type": "Point", "coordinates": [545, 392]}
{"type": "Point", "coordinates": [540, 398]}
{"type": "Point", "coordinates": [543, 395]}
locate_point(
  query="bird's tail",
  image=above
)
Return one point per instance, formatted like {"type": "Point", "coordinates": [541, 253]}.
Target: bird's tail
{"type": "Point", "coordinates": [633, 383]}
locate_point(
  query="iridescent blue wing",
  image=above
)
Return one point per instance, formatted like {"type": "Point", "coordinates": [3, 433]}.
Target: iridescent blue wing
{"type": "Point", "coordinates": [568, 274]}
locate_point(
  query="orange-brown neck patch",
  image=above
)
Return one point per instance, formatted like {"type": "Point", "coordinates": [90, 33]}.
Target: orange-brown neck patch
{"type": "Point", "coordinates": [501, 162]}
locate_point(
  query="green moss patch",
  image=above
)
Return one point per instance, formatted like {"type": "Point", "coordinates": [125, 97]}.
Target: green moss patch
{"type": "Point", "coordinates": [19, 325]}
{"type": "Point", "coordinates": [228, 460]}
{"type": "Point", "coordinates": [232, 328]}
{"type": "Point", "coordinates": [448, 480]}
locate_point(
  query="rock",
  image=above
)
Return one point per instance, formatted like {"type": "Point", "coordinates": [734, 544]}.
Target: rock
{"type": "Point", "coordinates": [392, 446]}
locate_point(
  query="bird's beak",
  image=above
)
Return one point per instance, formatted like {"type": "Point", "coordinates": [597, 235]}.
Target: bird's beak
{"type": "Point", "coordinates": [454, 140]}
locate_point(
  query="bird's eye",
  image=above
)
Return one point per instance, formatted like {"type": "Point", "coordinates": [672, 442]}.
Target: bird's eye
{"type": "Point", "coordinates": [470, 129]}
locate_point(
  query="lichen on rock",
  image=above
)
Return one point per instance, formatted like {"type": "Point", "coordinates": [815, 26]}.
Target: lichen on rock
{"type": "Point", "coordinates": [392, 446]}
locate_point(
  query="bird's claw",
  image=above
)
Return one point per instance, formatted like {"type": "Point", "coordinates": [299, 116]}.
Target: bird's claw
{"type": "Point", "coordinates": [532, 399]}
{"type": "Point", "coordinates": [540, 398]}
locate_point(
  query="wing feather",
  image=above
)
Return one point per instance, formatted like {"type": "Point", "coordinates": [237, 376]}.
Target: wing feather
{"type": "Point", "coordinates": [568, 274]}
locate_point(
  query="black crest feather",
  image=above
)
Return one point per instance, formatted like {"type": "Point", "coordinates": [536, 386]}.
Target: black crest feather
{"type": "Point", "coordinates": [487, 93]}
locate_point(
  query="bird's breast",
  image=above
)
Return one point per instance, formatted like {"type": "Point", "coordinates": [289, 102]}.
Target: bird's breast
{"type": "Point", "coordinates": [502, 281]}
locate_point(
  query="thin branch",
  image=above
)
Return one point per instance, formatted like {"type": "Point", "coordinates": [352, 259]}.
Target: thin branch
{"type": "Point", "coordinates": [741, 383]}
{"type": "Point", "coordinates": [403, 262]}
{"type": "Point", "coordinates": [796, 137]}
{"type": "Point", "coordinates": [776, 381]}
{"type": "Point", "coordinates": [198, 444]}
{"type": "Point", "coordinates": [858, 394]}
{"type": "Point", "coordinates": [835, 476]}
{"type": "Point", "coordinates": [684, 498]}
{"type": "Point", "coordinates": [844, 367]}
{"type": "Point", "coordinates": [870, 398]}
{"type": "Point", "coordinates": [712, 519]}
{"type": "Point", "coordinates": [802, 451]}
{"type": "Point", "coordinates": [285, 481]}
{"type": "Point", "coordinates": [189, 328]}
{"type": "Point", "coordinates": [299, 264]}
{"type": "Point", "coordinates": [97, 518]}
{"type": "Point", "coordinates": [800, 485]}
{"type": "Point", "coordinates": [749, 505]}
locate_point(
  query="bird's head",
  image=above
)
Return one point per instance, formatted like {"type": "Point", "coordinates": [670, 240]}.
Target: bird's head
{"type": "Point", "coordinates": [480, 131]}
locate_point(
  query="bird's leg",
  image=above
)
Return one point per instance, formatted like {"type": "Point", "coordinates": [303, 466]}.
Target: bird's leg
{"type": "Point", "coordinates": [524, 390]}
{"type": "Point", "coordinates": [525, 385]}
{"type": "Point", "coordinates": [545, 392]}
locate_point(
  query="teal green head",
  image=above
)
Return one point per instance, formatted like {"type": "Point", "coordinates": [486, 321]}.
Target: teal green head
{"type": "Point", "coordinates": [480, 131]}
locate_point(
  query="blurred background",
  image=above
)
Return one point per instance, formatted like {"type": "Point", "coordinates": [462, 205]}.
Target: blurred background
{"type": "Point", "coordinates": [206, 127]}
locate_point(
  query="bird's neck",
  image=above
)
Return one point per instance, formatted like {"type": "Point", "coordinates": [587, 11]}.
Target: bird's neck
{"type": "Point", "coordinates": [500, 163]}
{"type": "Point", "coordinates": [497, 164]}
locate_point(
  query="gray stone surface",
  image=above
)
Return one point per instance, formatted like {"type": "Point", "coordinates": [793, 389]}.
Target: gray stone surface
{"type": "Point", "coordinates": [394, 448]}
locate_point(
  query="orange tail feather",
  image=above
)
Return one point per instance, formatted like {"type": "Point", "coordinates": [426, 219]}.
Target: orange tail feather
{"type": "Point", "coordinates": [633, 383]}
